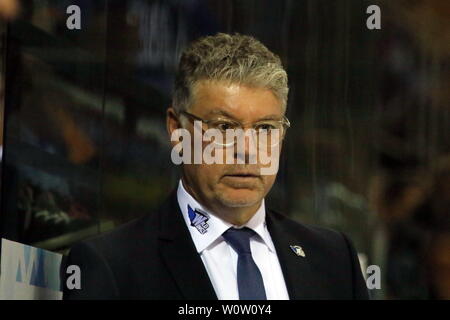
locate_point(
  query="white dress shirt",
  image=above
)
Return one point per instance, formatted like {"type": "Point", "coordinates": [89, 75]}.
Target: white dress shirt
{"type": "Point", "coordinates": [220, 259]}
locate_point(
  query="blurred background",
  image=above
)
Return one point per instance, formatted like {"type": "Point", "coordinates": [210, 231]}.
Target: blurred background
{"type": "Point", "coordinates": [84, 147]}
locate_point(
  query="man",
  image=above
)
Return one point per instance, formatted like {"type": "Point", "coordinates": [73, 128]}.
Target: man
{"type": "Point", "coordinates": [214, 238]}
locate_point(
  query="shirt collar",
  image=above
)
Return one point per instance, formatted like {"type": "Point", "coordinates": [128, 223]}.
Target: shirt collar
{"type": "Point", "coordinates": [214, 226]}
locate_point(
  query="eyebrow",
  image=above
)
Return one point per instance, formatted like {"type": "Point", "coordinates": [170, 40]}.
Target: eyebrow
{"type": "Point", "coordinates": [228, 115]}
{"type": "Point", "coordinates": [221, 113]}
{"type": "Point", "coordinates": [271, 117]}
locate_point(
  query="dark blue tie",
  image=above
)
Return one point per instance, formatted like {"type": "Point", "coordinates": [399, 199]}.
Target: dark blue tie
{"type": "Point", "coordinates": [249, 279]}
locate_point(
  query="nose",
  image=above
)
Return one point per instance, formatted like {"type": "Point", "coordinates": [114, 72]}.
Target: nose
{"type": "Point", "coordinates": [246, 147]}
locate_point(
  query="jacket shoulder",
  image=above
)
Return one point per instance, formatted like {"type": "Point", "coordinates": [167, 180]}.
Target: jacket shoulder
{"type": "Point", "coordinates": [320, 236]}
{"type": "Point", "coordinates": [124, 240]}
{"type": "Point", "coordinates": [330, 252]}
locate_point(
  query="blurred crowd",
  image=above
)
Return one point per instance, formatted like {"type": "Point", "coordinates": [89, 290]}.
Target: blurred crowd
{"type": "Point", "coordinates": [409, 188]}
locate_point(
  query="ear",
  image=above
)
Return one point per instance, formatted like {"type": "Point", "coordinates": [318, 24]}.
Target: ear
{"type": "Point", "coordinates": [172, 122]}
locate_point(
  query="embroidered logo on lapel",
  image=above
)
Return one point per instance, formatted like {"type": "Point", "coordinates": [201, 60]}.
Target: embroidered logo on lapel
{"type": "Point", "coordinates": [298, 251]}
{"type": "Point", "coordinates": [198, 219]}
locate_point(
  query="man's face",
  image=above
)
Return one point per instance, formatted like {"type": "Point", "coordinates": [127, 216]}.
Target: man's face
{"type": "Point", "coordinates": [230, 185]}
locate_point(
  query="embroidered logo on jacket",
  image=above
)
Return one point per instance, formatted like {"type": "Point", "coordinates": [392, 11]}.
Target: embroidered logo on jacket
{"type": "Point", "coordinates": [298, 251]}
{"type": "Point", "coordinates": [198, 219]}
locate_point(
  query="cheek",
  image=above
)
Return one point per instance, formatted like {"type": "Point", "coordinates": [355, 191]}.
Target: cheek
{"type": "Point", "coordinates": [268, 181]}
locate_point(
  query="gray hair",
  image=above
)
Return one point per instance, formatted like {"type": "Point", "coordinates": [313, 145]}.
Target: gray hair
{"type": "Point", "coordinates": [237, 59]}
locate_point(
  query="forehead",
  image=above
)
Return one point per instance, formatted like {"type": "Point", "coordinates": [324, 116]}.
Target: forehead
{"type": "Point", "coordinates": [238, 101]}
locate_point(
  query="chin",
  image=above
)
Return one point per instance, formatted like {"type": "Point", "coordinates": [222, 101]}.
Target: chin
{"type": "Point", "coordinates": [239, 198]}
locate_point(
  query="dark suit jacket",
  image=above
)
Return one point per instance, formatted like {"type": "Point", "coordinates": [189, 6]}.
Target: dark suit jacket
{"type": "Point", "coordinates": [154, 257]}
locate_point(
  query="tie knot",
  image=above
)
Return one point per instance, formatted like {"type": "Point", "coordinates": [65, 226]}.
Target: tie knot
{"type": "Point", "coordinates": [239, 239]}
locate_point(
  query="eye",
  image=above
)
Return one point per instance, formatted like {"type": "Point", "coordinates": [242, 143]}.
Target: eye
{"type": "Point", "coordinates": [224, 125]}
{"type": "Point", "coordinates": [265, 126]}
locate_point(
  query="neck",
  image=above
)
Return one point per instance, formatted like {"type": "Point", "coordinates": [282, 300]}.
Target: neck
{"type": "Point", "coordinates": [237, 216]}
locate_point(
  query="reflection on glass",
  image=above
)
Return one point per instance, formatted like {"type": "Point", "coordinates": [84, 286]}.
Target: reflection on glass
{"type": "Point", "coordinates": [86, 146]}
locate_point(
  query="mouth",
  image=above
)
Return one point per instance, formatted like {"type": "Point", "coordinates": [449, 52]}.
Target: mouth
{"type": "Point", "coordinates": [242, 175]}
{"type": "Point", "coordinates": [241, 180]}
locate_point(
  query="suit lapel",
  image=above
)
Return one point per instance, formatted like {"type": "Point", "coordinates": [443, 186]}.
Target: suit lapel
{"type": "Point", "coordinates": [301, 280]}
{"type": "Point", "coordinates": [179, 253]}
{"type": "Point", "coordinates": [187, 269]}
